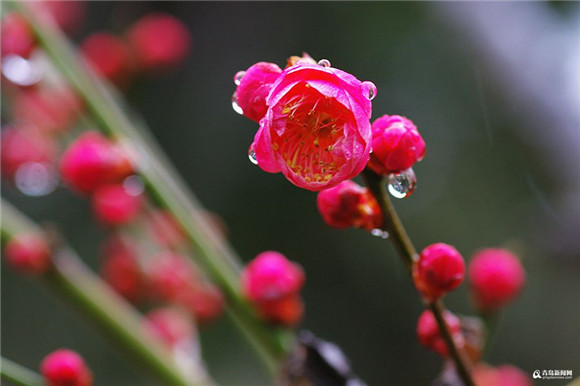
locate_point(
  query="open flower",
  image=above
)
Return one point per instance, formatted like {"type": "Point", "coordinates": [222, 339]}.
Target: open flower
{"type": "Point", "coordinates": [316, 130]}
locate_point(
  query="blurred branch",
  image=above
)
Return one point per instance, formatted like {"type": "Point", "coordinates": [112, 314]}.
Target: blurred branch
{"type": "Point", "coordinates": [165, 187]}
{"type": "Point", "coordinates": [18, 375]}
{"type": "Point", "coordinates": [407, 251]}
{"type": "Point", "coordinates": [71, 279]}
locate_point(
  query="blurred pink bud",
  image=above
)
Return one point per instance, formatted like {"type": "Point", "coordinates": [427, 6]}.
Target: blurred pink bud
{"type": "Point", "coordinates": [16, 36]}
{"type": "Point", "coordinates": [169, 325]}
{"type": "Point", "coordinates": [430, 336]}
{"type": "Point", "coordinates": [271, 276]}
{"type": "Point", "coordinates": [114, 205]}
{"type": "Point", "coordinates": [287, 311]}
{"type": "Point", "coordinates": [109, 56]}
{"type": "Point", "coordinates": [204, 300]}
{"type": "Point", "coordinates": [440, 269]}
{"type": "Point", "coordinates": [121, 269]}
{"type": "Point", "coordinates": [397, 144]}
{"type": "Point", "coordinates": [254, 84]}
{"type": "Point", "coordinates": [68, 15]}
{"type": "Point", "coordinates": [22, 144]}
{"type": "Point", "coordinates": [170, 275]}
{"type": "Point", "coordinates": [316, 130]}
{"type": "Point", "coordinates": [496, 277]}
{"type": "Point", "coordinates": [65, 368]}
{"type": "Point", "coordinates": [159, 42]}
{"type": "Point", "coordinates": [28, 253]}
{"type": "Point", "coordinates": [92, 161]}
{"type": "Point", "coordinates": [49, 110]}
{"type": "Point", "coordinates": [349, 205]}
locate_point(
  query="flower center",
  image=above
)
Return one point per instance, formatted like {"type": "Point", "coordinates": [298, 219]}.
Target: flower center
{"type": "Point", "coordinates": [309, 133]}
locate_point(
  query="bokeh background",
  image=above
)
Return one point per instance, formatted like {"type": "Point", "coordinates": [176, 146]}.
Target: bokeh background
{"type": "Point", "coordinates": [495, 91]}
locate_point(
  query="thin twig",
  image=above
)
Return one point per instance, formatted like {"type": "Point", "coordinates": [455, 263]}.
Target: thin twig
{"type": "Point", "coordinates": [18, 375]}
{"type": "Point", "coordinates": [407, 251]}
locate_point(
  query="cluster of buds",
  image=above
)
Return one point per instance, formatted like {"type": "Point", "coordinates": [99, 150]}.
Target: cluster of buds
{"type": "Point", "coordinates": [272, 284]}
{"type": "Point", "coordinates": [155, 43]}
{"type": "Point", "coordinates": [65, 367]}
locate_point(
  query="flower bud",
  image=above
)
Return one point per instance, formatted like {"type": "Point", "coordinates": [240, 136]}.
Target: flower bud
{"type": "Point", "coordinates": [204, 300]}
{"type": "Point", "coordinates": [23, 144]}
{"type": "Point", "coordinates": [429, 335]}
{"type": "Point", "coordinates": [440, 269]}
{"type": "Point", "coordinates": [170, 275]}
{"type": "Point", "coordinates": [169, 325]}
{"type": "Point", "coordinates": [397, 145]}
{"type": "Point", "coordinates": [109, 56]}
{"type": "Point", "coordinates": [496, 276]}
{"type": "Point", "coordinates": [349, 205]}
{"type": "Point", "coordinates": [253, 88]}
{"type": "Point", "coordinates": [17, 37]}
{"type": "Point", "coordinates": [50, 110]}
{"type": "Point", "coordinates": [114, 205]}
{"type": "Point", "coordinates": [28, 253]}
{"type": "Point", "coordinates": [159, 42]}
{"type": "Point", "coordinates": [65, 368]}
{"type": "Point", "coordinates": [286, 311]}
{"type": "Point", "coordinates": [121, 269]}
{"type": "Point", "coordinates": [271, 276]}
{"type": "Point", "coordinates": [93, 161]}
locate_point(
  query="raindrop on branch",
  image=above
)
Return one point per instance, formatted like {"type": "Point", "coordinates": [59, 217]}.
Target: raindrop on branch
{"type": "Point", "coordinates": [402, 184]}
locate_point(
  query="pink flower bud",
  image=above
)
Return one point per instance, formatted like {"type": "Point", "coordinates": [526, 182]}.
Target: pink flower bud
{"type": "Point", "coordinates": [65, 368]}
{"type": "Point", "coordinates": [440, 269]}
{"type": "Point", "coordinates": [286, 311]}
{"type": "Point", "coordinates": [22, 144]}
{"type": "Point", "coordinates": [397, 144]}
{"type": "Point", "coordinates": [170, 275]}
{"type": "Point", "coordinates": [68, 15]}
{"type": "Point", "coordinates": [170, 325]}
{"type": "Point", "coordinates": [114, 205]}
{"type": "Point", "coordinates": [430, 336]}
{"type": "Point", "coordinates": [121, 270]}
{"type": "Point", "coordinates": [204, 300]}
{"type": "Point", "coordinates": [93, 161]}
{"type": "Point", "coordinates": [496, 276]}
{"type": "Point", "coordinates": [349, 205]}
{"type": "Point", "coordinates": [316, 130]}
{"type": "Point", "coordinates": [28, 253]}
{"type": "Point", "coordinates": [253, 87]}
{"type": "Point", "coordinates": [109, 56]}
{"type": "Point", "coordinates": [159, 42]}
{"type": "Point", "coordinates": [16, 36]}
{"type": "Point", "coordinates": [271, 276]}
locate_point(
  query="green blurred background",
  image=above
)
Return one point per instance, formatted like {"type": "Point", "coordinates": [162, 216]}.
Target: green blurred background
{"type": "Point", "coordinates": [491, 87]}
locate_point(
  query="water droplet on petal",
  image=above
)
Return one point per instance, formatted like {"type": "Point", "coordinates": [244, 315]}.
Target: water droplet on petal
{"type": "Point", "coordinates": [252, 156]}
{"type": "Point", "coordinates": [36, 178]}
{"type": "Point", "coordinates": [20, 71]}
{"type": "Point", "coordinates": [369, 90]}
{"type": "Point", "coordinates": [324, 63]}
{"type": "Point", "coordinates": [238, 77]}
{"type": "Point", "coordinates": [402, 184]}
{"type": "Point", "coordinates": [377, 232]}
{"type": "Point", "coordinates": [236, 106]}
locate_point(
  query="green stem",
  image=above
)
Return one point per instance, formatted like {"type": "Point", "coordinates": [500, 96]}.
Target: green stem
{"type": "Point", "coordinates": [70, 278]}
{"type": "Point", "coordinates": [404, 245]}
{"type": "Point", "coordinates": [18, 375]}
{"type": "Point", "coordinates": [163, 184]}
